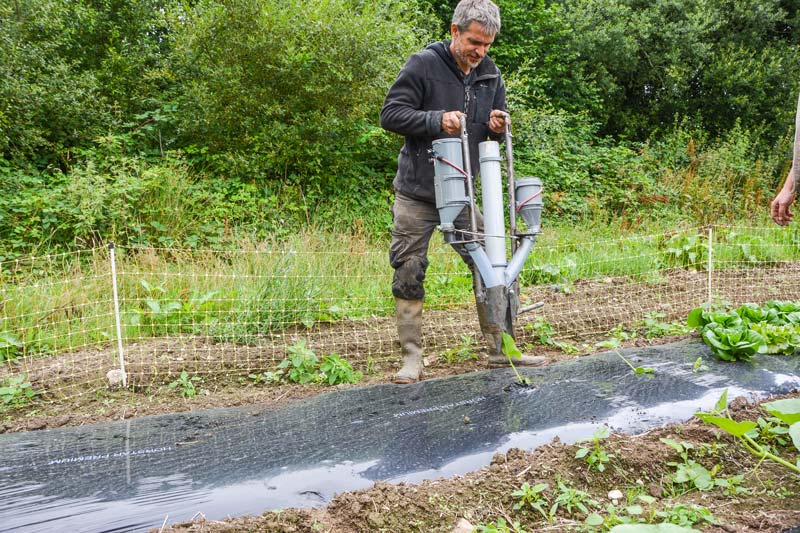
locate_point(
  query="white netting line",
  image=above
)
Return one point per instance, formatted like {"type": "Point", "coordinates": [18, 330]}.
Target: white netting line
{"type": "Point", "coordinates": [240, 317]}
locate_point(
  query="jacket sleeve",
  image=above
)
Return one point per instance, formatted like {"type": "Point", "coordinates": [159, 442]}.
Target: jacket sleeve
{"type": "Point", "coordinates": [403, 111]}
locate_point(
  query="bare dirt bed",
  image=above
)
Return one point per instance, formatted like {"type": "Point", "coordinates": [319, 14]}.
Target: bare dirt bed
{"type": "Point", "coordinates": [75, 390]}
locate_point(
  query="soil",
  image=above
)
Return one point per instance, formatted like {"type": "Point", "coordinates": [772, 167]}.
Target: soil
{"type": "Point", "coordinates": [79, 393]}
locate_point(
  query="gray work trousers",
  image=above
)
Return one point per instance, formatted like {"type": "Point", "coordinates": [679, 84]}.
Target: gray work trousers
{"type": "Point", "coordinates": [413, 225]}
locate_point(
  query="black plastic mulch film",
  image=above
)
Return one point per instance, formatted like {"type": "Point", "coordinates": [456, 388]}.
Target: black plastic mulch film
{"type": "Point", "coordinates": [130, 475]}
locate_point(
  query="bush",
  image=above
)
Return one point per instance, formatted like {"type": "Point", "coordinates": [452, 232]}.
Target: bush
{"type": "Point", "coordinates": [732, 176]}
{"type": "Point", "coordinates": [285, 95]}
{"type": "Point", "coordinates": [584, 175]}
{"type": "Point", "coordinates": [110, 197]}
{"type": "Point", "coordinates": [714, 60]}
{"type": "Point", "coordinates": [72, 71]}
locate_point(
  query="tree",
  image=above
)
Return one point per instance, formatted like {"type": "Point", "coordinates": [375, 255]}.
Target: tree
{"type": "Point", "coordinates": [286, 93]}
{"type": "Point", "coordinates": [716, 61]}
{"type": "Point", "coordinates": [74, 70]}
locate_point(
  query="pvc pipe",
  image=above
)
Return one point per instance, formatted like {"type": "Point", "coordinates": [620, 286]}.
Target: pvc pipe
{"type": "Point", "coordinates": [484, 265]}
{"type": "Point", "coordinates": [518, 259]}
{"type": "Point", "coordinates": [492, 194]}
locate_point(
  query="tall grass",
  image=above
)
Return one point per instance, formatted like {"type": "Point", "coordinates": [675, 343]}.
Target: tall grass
{"type": "Point", "coordinates": [64, 302]}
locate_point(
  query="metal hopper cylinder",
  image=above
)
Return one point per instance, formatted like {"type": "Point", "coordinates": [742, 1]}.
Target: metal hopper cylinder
{"type": "Point", "coordinates": [529, 202]}
{"type": "Point", "coordinates": [449, 182]}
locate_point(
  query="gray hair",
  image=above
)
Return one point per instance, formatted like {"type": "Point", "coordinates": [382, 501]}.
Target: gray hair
{"type": "Point", "coordinates": [484, 12]}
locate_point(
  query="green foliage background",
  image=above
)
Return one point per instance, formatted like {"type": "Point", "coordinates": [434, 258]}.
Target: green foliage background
{"type": "Point", "coordinates": [168, 122]}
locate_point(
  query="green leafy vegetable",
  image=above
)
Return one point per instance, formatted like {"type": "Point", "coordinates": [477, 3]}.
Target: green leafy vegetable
{"type": "Point", "coordinates": [753, 314]}
{"type": "Point", "coordinates": [778, 339]}
{"type": "Point", "coordinates": [733, 344]}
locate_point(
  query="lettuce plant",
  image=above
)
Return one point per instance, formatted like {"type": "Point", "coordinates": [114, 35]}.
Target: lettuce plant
{"type": "Point", "coordinates": [736, 335]}
{"type": "Point", "coordinates": [733, 344]}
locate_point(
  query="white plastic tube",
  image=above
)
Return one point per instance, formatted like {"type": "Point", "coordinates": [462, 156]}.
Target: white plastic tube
{"type": "Point", "coordinates": [492, 194]}
{"type": "Point", "coordinates": [487, 272]}
{"type": "Point", "coordinates": [518, 260]}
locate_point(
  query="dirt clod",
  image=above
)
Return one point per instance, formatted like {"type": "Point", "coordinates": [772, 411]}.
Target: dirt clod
{"type": "Point", "coordinates": [655, 491]}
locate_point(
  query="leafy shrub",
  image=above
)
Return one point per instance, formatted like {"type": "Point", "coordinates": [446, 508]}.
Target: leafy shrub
{"type": "Point", "coordinates": [116, 198]}
{"type": "Point", "coordinates": [93, 65]}
{"type": "Point", "coordinates": [585, 175]}
{"type": "Point", "coordinates": [286, 95]}
{"type": "Point", "coordinates": [714, 179]}
{"type": "Point", "coordinates": [714, 62]}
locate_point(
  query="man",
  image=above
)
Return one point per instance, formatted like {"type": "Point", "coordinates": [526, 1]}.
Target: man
{"type": "Point", "coordinates": [434, 89]}
{"type": "Point", "coordinates": [780, 206]}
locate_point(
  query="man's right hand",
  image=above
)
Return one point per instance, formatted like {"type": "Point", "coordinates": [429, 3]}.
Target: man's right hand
{"type": "Point", "coordinates": [779, 208]}
{"type": "Point", "coordinates": [451, 122]}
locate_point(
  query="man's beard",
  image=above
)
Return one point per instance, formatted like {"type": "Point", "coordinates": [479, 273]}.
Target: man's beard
{"type": "Point", "coordinates": [466, 59]}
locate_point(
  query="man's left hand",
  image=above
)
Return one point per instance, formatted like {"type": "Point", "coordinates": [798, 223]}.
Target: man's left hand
{"type": "Point", "coordinates": [497, 121]}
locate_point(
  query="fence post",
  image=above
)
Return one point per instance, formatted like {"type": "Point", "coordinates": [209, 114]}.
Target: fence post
{"type": "Point", "coordinates": [116, 314]}
{"type": "Point", "coordinates": [710, 258]}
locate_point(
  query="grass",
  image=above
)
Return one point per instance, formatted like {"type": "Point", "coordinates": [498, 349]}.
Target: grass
{"type": "Point", "coordinates": [64, 302]}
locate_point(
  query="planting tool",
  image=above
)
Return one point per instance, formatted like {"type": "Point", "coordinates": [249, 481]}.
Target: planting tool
{"type": "Point", "coordinates": [495, 283]}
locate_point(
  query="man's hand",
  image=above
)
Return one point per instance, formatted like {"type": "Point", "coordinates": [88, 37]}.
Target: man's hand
{"type": "Point", "coordinates": [451, 122]}
{"type": "Point", "coordinates": [497, 121]}
{"type": "Point", "coordinates": [779, 208]}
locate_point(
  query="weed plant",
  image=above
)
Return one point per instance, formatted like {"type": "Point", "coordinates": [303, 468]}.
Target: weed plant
{"type": "Point", "coordinates": [16, 391]}
{"type": "Point", "coordinates": [466, 350]}
{"type": "Point", "coordinates": [593, 452]}
{"type": "Point", "coordinates": [303, 366]}
{"type": "Point", "coordinates": [185, 385]}
{"type": "Point", "coordinates": [533, 497]}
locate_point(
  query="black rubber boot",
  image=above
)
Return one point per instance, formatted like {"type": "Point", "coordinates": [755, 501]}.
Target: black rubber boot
{"type": "Point", "coordinates": [494, 318]}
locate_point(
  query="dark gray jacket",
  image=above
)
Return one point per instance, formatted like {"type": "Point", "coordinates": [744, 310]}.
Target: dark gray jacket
{"type": "Point", "coordinates": [429, 84]}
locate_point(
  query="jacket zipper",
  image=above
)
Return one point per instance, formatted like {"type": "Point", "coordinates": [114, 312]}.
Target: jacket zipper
{"type": "Point", "coordinates": [466, 101]}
